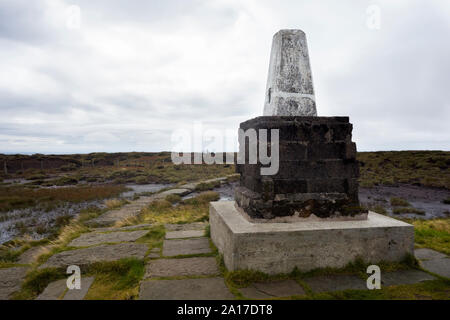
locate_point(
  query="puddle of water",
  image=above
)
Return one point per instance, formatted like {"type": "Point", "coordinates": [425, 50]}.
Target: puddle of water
{"type": "Point", "coordinates": [425, 199]}
{"type": "Point", "coordinates": [140, 188]}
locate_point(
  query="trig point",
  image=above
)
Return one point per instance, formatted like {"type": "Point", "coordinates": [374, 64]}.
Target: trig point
{"type": "Point", "coordinates": [289, 90]}
{"type": "Point", "coordinates": [307, 214]}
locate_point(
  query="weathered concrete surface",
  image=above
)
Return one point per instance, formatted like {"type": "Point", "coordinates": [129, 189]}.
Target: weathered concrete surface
{"type": "Point", "coordinates": [404, 277]}
{"type": "Point", "coordinates": [184, 234]}
{"type": "Point", "coordinates": [187, 289]}
{"type": "Point", "coordinates": [198, 266]}
{"type": "Point", "coordinates": [83, 257]}
{"type": "Point", "coordinates": [186, 226]}
{"type": "Point", "coordinates": [337, 282]}
{"type": "Point", "coordinates": [95, 238]}
{"type": "Point", "coordinates": [279, 247]}
{"type": "Point", "coordinates": [273, 289]}
{"type": "Point", "coordinates": [54, 291]}
{"type": "Point", "coordinates": [289, 90]}
{"type": "Point", "coordinates": [10, 280]}
{"type": "Point", "coordinates": [127, 228]}
{"type": "Point", "coordinates": [79, 294]}
{"type": "Point", "coordinates": [186, 246]}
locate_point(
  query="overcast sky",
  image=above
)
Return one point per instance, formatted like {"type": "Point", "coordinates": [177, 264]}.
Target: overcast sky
{"type": "Point", "coordinates": [127, 74]}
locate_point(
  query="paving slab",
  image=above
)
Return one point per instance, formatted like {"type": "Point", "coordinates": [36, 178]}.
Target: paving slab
{"type": "Point", "coordinates": [186, 246]}
{"type": "Point", "coordinates": [252, 293]}
{"type": "Point", "coordinates": [29, 256]}
{"type": "Point", "coordinates": [329, 283]}
{"type": "Point", "coordinates": [438, 266]}
{"type": "Point", "coordinates": [404, 277]}
{"type": "Point", "coordinates": [155, 253]}
{"type": "Point", "coordinates": [281, 288]}
{"type": "Point", "coordinates": [130, 210]}
{"type": "Point", "coordinates": [186, 226]}
{"type": "Point", "coordinates": [79, 294]}
{"type": "Point", "coordinates": [135, 227]}
{"type": "Point", "coordinates": [95, 238]}
{"type": "Point", "coordinates": [272, 289]}
{"type": "Point", "coordinates": [426, 254]}
{"type": "Point", "coordinates": [184, 234]}
{"type": "Point", "coordinates": [186, 289]}
{"type": "Point", "coordinates": [83, 257]}
{"type": "Point", "coordinates": [54, 290]}
{"type": "Point", "coordinates": [10, 280]}
{"type": "Point", "coordinates": [198, 266]}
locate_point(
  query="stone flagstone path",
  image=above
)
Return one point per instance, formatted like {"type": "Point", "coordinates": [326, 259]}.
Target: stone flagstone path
{"type": "Point", "coordinates": [132, 209]}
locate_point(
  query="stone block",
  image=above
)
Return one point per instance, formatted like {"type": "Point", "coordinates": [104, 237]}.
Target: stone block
{"type": "Point", "coordinates": [280, 247]}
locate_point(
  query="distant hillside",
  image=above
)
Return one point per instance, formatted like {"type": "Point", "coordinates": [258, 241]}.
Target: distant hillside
{"type": "Point", "coordinates": [423, 168]}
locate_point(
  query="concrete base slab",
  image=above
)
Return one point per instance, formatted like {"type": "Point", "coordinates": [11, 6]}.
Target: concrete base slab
{"type": "Point", "coordinates": [186, 246]}
{"type": "Point", "coordinates": [280, 247]}
{"type": "Point", "coordinates": [199, 266]}
{"type": "Point", "coordinates": [338, 282]}
{"type": "Point", "coordinates": [187, 289]}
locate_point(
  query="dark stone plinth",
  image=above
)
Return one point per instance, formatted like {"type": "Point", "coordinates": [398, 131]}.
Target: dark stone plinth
{"type": "Point", "coordinates": [317, 173]}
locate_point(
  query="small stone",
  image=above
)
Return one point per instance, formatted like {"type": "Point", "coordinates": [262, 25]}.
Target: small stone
{"type": "Point", "coordinates": [426, 254]}
{"type": "Point", "coordinates": [83, 257]}
{"type": "Point", "coordinates": [94, 238]}
{"type": "Point", "coordinates": [199, 266]}
{"type": "Point", "coordinates": [79, 294]}
{"type": "Point", "coordinates": [10, 280]}
{"type": "Point", "coordinates": [184, 234]}
{"type": "Point", "coordinates": [54, 290]}
{"type": "Point", "coordinates": [186, 289]}
{"type": "Point", "coordinates": [404, 277]}
{"type": "Point", "coordinates": [339, 282]}
{"type": "Point", "coordinates": [186, 246]}
{"type": "Point", "coordinates": [438, 266]}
